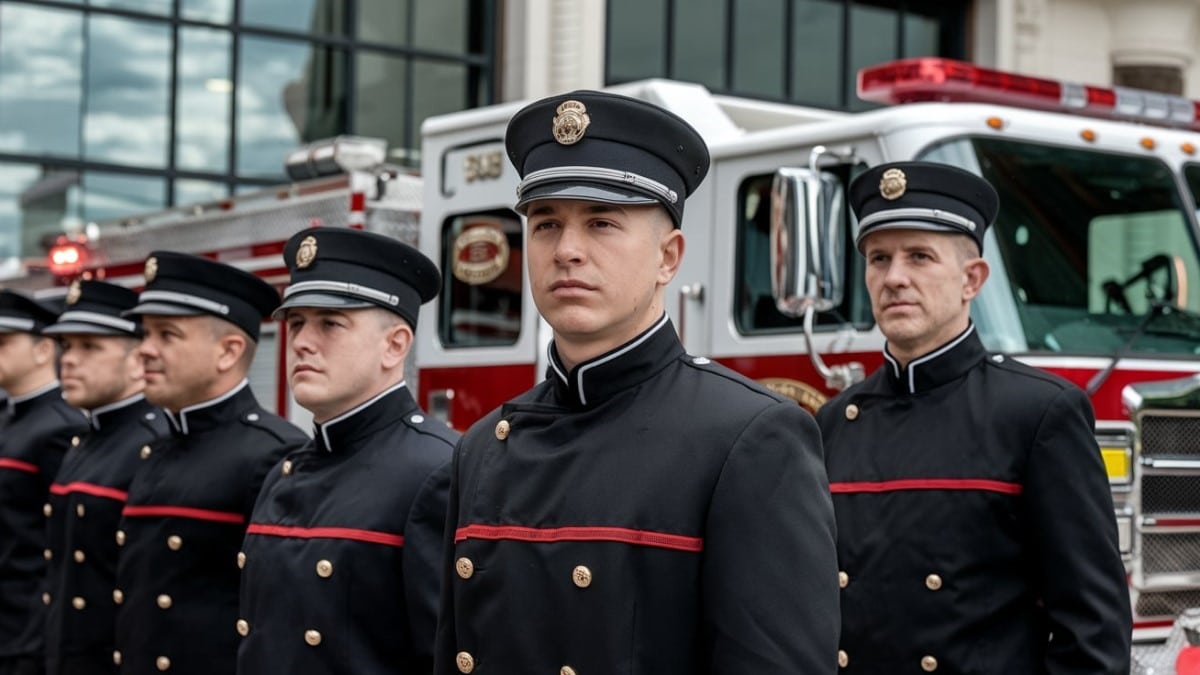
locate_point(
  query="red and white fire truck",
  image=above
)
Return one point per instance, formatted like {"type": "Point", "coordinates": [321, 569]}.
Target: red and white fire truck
{"type": "Point", "coordinates": [1096, 267]}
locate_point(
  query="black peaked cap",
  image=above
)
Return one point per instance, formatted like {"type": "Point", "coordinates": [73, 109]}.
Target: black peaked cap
{"type": "Point", "coordinates": [178, 284]}
{"type": "Point", "coordinates": [339, 267]}
{"type": "Point", "coordinates": [603, 147]}
{"type": "Point", "coordinates": [20, 313]}
{"type": "Point", "coordinates": [96, 308]}
{"type": "Point", "coordinates": [923, 196]}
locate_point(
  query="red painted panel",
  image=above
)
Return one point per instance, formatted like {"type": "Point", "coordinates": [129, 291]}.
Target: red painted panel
{"type": "Point", "coordinates": [477, 389]}
{"type": "Point", "coordinates": [1107, 401]}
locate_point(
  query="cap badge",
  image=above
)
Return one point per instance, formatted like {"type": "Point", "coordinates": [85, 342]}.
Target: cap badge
{"type": "Point", "coordinates": [307, 252]}
{"type": "Point", "coordinates": [151, 269]}
{"type": "Point", "coordinates": [74, 292]}
{"type": "Point", "coordinates": [570, 122]}
{"type": "Point", "coordinates": [893, 184]}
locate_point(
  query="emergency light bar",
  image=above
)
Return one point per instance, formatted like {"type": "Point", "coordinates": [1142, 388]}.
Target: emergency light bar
{"type": "Point", "coordinates": [937, 79]}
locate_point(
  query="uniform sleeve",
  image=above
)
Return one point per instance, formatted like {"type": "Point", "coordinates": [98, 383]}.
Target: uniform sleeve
{"type": "Point", "coordinates": [444, 641]}
{"type": "Point", "coordinates": [1078, 569]}
{"type": "Point", "coordinates": [423, 541]}
{"type": "Point", "coordinates": [769, 577]}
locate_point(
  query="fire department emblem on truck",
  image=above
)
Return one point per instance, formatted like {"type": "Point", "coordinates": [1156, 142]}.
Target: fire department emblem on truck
{"type": "Point", "coordinates": [151, 270]}
{"type": "Point", "coordinates": [480, 254]}
{"type": "Point", "coordinates": [570, 122]}
{"type": "Point", "coordinates": [893, 184]}
{"type": "Point", "coordinates": [307, 252]}
{"type": "Point", "coordinates": [74, 292]}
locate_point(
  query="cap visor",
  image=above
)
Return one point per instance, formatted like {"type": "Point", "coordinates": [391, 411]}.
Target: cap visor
{"type": "Point", "coordinates": [587, 192]}
{"type": "Point", "coordinates": [320, 300]}
{"type": "Point", "coordinates": [82, 328]}
{"type": "Point", "coordinates": [908, 225]}
{"type": "Point", "coordinates": [162, 309]}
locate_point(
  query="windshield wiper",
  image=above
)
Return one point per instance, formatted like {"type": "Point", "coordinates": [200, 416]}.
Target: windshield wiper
{"type": "Point", "coordinates": [1156, 310]}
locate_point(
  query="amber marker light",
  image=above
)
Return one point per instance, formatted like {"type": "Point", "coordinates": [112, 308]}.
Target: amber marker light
{"type": "Point", "coordinates": [995, 123]}
{"type": "Point", "coordinates": [1148, 143]}
{"type": "Point", "coordinates": [1188, 149]}
{"type": "Point", "coordinates": [1088, 135]}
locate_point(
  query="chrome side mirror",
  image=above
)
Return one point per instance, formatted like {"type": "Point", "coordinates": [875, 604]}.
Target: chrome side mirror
{"type": "Point", "coordinates": [807, 251]}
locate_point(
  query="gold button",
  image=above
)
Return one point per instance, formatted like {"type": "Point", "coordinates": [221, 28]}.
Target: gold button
{"type": "Point", "coordinates": [502, 429]}
{"type": "Point", "coordinates": [241, 560]}
{"type": "Point", "coordinates": [928, 664]}
{"type": "Point", "coordinates": [120, 537]}
{"type": "Point", "coordinates": [79, 556]}
{"type": "Point", "coordinates": [116, 658]}
{"type": "Point", "coordinates": [843, 658]}
{"type": "Point", "coordinates": [174, 542]}
{"type": "Point", "coordinates": [933, 582]}
{"type": "Point", "coordinates": [287, 467]}
{"type": "Point", "coordinates": [164, 601]}
{"type": "Point", "coordinates": [47, 510]}
{"type": "Point", "coordinates": [843, 580]}
{"type": "Point", "coordinates": [464, 567]}
{"type": "Point", "coordinates": [851, 412]}
{"type": "Point", "coordinates": [582, 576]}
{"type": "Point", "coordinates": [312, 637]}
{"type": "Point", "coordinates": [465, 662]}
{"type": "Point", "coordinates": [48, 554]}
{"type": "Point", "coordinates": [566, 670]}
{"type": "Point", "coordinates": [243, 627]}
{"type": "Point", "coordinates": [146, 455]}
{"type": "Point", "coordinates": [80, 510]}
{"type": "Point", "coordinates": [74, 441]}
{"type": "Point", "coordinates": [78, 602]}
{"type": "Point", "coordinates": [118, 596]}
{"type": "Point", "coordinates": [45, 598]}
{"type": "Point", "coordinates": [162, 663]}
{"type": "Point", "coordinates": [324, 569]}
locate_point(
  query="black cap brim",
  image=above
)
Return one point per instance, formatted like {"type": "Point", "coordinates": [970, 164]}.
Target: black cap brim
{"type": "Point", "coordinates": [588, 192]}
{"type": "Point", "coordinates": [82, 328]}
{"type": "Point", "coordinates": [320, 301]}
{"type": "Point", "coordinates": [164, 309]}
{"type": "Point", "coordinates": [907, 225]}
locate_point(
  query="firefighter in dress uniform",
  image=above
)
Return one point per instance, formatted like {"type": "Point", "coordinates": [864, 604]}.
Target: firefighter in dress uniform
{"type": "Point", "coordinates": [974, 519]}
{"type": "Point", "coordinates": [102, 374]}
{"type": "Point", "coordinates": [342, 559]}
{"type": "Point", "coordinates": [33, 441]}
{"type": "Point", "coordinates": [190, 501]}
{"type": "Point", "coordinates": [642, 510]}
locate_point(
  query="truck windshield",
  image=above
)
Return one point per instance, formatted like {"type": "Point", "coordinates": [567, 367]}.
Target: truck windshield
{"type": "Point", "coordinates": [1091, 253]}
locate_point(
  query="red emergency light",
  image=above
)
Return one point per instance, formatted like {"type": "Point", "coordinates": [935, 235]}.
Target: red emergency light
{"type": "Point", "coordinates": [67, 257]}
{"type": "Point", "coordinates": [937, 79]}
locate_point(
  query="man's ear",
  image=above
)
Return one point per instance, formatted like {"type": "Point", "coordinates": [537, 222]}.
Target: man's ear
{"type": "Point", "coordinates": [671, 252]}
{"type": "Point", "coordinates": [230, 349]}
{"type": "Point", "coordinates": [398, 341]}
{"type": "Point", "coordinates": [975, 272]}
{"type": "Point", "coordinates": [45, 350]}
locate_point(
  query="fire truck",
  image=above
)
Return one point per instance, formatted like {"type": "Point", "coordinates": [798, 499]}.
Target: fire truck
{"type": "Point", "coordinates": [1096, 268]}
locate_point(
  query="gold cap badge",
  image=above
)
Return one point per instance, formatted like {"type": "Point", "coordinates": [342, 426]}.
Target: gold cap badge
{"type": "Point", "coordinates": [151, 269]}
{"type": "Point", "coordinates": [307, 252]}
{"type": "Point", "coordinates": [570, 122]}
{"type": "Point", "coordinates": [74, 292]}
{"type": "Point", "coordinates": [893, 184]}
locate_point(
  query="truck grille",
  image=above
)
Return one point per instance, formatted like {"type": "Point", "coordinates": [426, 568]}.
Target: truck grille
{"type": "Point", "coordinates": [1170, 435]}
{"type": "Point", "coordinates": [1170, 553]}
{"type": "Point", "coordinates": [1169, 494]}
{"type": "Point", "coordinates": [1174, 494]}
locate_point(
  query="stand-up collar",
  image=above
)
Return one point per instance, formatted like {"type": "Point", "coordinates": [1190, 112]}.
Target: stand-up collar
{"type": "Point", "coordinates": [946, 363]}
{"type": "Point", "coordinates": [123, 411]}
{"type": "Point", "coordinates": [213, 412]}
{"type": "Point", "coordinates": [595, 380]}
{"type": "Point", "coordinates": [19, 405]}
{"type": "Point", "coordinates": [340, 433]}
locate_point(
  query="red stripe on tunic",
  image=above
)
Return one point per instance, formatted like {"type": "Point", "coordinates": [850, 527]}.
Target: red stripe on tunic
{"type": "Point", "coordinates": [18, 465]}
{"type": "Point", "coordinates": [183, 512]}
{"type": "Point", "coordinates": [89, 489]}
{"type": "Point", "coordinates": [622, 535]}
{"type": "Point", "coordinates": [351, 533]}
{"type": "Point", "coordinates": [927, 484]}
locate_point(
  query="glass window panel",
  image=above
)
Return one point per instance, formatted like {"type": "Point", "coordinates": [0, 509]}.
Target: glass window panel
{"type": "Point", "coordinates": [758, 49]}
{"type": "Point", "coordinates": [216, 11]}
{"type": "Point", "coordinates": [438, 88]}
{"type": "Point", "coordinates": [149, 6]}
{"type": "Point", "coordinates": [635, 39]}
{"type": "Point", "coordinates": [872, 41]}
{"type": "Point", "coordinates": [203, 106]}
{"type": "Point", "coordinates": [817, 53]}
{"type": "Point", "coordinates": [109, 195]}
{"type": "Point", "coordinates": [441, 25]}
{"type": "Point", "coordinates": [290, 93]}
{"type": "Point", "coordinates": [383, 21]}
{"type": "Point", "coordinates": [480, 302]}
{"type": "Point", "coordinates": [128, 70]}
{"type": "Point", "coordinates": [921, 36]}
{"type": "Point", "coordinates": [302, 16]}
{"type": "Point", "coordinates": [193, 191]}
{"type": "Point", "coordinates": [698, 50]}
{"type": "Point", "coordinates": [380, 95]}
{"type": "Point", "coordinates": [41, 53]}
{"type": "Point", "coordinates": [33, 201]}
